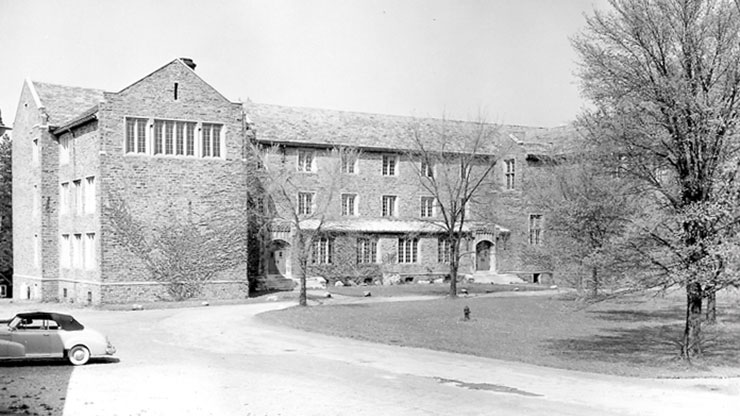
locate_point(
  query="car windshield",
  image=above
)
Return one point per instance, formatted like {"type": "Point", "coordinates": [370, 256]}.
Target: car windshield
{"type": "Point", "coordinates": [14, 322]}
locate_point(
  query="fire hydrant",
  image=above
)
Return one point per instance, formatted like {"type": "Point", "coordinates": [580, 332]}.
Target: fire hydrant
{"type": "Point", "coordinates": [466, 313]}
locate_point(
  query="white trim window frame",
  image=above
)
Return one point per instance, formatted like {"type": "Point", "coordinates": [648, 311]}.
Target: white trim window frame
{"type": "Point", "coordinates": [389, 165]}
{"type": "Point", "coordinates": [89, 256]}
{"type": "Point", "coordinates": [77, 251]}
{"type": "Point", "coordinates": [427, 207]}
{"type": "Point", "coordinates": [349, 205]}
{"type": "Point", "coordinates": [306, 161]}
{"type": "Point", "coordinates": [212, 140]}
{"type": "Point", "coordinates": [65, 252]}
{"type": "Point", "coordinates": [323, 250]}
{"type": "Point", "coordinates": [389, 206]}
{"type": "Point", "coordinates": [35, 152]}
{"type": "Point", "coordinates": [64, 198]}
{"type": "Point", "coordinates": [78, 196]}
{"type": "Point", "coordinates": [408, 250]}
{"type": "Point", "coordinates": [90, 195]}
{"type": "Point", "coordinates": [367, 250]}
{"type": "Point", "coordinates": [535, 229]}
{"type": "Point", "coordinates": [64, 143]}
{"type": "Point", "coordinates": [305, 203]}
{"type": "Point", "coordinates": [349, 162]}
{"type": "Point", "coordinates": [510, 173]}
{"type": "Point", "coordinates": [135, 138]}
{"type": "Point", "coordinates": [444, 250]}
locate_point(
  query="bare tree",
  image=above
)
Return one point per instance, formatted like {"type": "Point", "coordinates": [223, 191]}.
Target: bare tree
{"type": "Point", "coordinates": [301, 197]}
{"type": "Point", "coordinates": [664, 76]}
{"type": "Point", "coordinates": [453, 161]}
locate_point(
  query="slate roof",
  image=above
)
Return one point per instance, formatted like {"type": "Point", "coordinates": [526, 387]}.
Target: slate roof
{"type": "Point", "coordinates": [312, 126]}
{"type": "Point", "coordinates": [63, 104]}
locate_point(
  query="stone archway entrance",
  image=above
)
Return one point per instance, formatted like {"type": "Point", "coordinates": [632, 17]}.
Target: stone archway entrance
{"type": "Point", "coordinates": [278, 258]}
{"type": "Point", "coordinates": [484, 256]}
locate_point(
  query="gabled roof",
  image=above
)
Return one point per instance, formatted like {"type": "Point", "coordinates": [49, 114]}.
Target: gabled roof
{"type": "Point", "coordinates": [62, 103]}
{"type": "Point", "coordinates": [321, 127]}
{"type": "Point", "coordinates": [300, 126]}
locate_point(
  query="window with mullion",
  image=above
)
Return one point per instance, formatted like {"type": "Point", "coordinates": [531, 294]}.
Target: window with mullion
{"type": "Point", "coordinates": [305, 203]}
{"type": "Point", "coordinates": [443, 250]}
{"type": "Point", "coordinates": [158, 125]}
{"type": "Point", "coordinates": [349, 204]}
{"type": "Point", "coordinates": [206, 141]}
{"type": "Point", "coordinates": [322, 250]}
{"type": "Point", "coordinates": [190, 139]}
{"type": "Point", "coordinates": [366, 250]}
{"type": "Point", "coordinates": [389, 165]}
{"type": "Point", "coordinates": [427, 206]}
{"type": "Point", "coordinates": [408, 250]}
{"type": "Point", "coordinates": [168, 133]}
{"type": "Point", "coordinates": [180, 138]}
{"type": "Point", "coordinates": [389, 205]}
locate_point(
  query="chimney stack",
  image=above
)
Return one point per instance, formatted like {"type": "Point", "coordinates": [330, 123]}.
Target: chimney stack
{"type": "Point", "coordinates": [189, 62]}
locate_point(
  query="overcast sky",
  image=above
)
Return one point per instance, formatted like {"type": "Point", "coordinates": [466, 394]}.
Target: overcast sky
{"type": "Point", "coordinates": [509, 60]}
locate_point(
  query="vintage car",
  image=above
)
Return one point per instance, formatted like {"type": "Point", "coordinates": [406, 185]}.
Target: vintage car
{"type": "Point", "coordinates": [51, 335]}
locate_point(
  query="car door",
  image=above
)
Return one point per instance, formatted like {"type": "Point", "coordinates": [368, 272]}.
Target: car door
{"type": "Point", "coordinates": [31, 333]}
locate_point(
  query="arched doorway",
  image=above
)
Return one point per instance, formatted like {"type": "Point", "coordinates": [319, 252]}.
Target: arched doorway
{"type": "Point", "coordinates": [278, 258]}
{"type": "Point", "coordinates": [483, 255]}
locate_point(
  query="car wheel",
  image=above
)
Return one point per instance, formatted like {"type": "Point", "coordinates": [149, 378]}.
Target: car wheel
{"type": "Point", "coordinates": [78, 355]}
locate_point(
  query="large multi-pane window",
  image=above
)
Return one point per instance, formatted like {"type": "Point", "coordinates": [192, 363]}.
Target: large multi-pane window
{"type": "Point", "coordinates": [444, 250]}
{"type": "Point", "coordinates": [323, 250]}
{"type": "Point", "coordinates": [64, 150]}
{"type": "Point", "coordinates": [510, 173]}
{"type": "Point", "coordinates": [427, 206]}
{"type": "Point", "coordinates": [64, 251]}
{"type": "Point", "coordinates": [305, 161]}
{"type": "Point", "coordinates": [349, 206]}
{"type": "Point", "coordinates": [366, 250]}
{"type": "Point", "coordinates": [77, 251]}
{"type": "Point", "coordinates": [90, 251]}
{"type": "Point", "coordinates": [408, 250]}
{"type": "Point", "coordinates": [78, 196]}
{"type": "Point", "coordinates": [389, 165]}
{"type": "Point", "coordinates": [35, 152]}
{"type": "Point", "coordinates": [389, 205]}
{"type": "Point", "coordinates": [535, 229]}
{"type": "Point", "coordinates": [305, 203]}
{"type": "Point", "coordinates": [349, 162]}
{"type": "Point", "coordinates": [173, 138]}
{"type": "Point", "coordinates": [90, 194]}
{"type": "Point", "coordinates": [64, 198]}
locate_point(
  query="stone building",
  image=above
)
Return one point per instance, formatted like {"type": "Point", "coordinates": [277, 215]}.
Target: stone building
{"type": "Point", "coordinates": [96, 173]}
{"type": "Point", "coordinates": [375, 217]}
{"type": "Point", "coordinates": [164, 150]}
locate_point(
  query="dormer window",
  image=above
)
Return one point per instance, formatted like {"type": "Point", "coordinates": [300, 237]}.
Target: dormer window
{"type": "Point", "coordinates": [305, 161]}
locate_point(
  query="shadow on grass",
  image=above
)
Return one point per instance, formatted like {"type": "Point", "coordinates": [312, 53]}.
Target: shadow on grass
{"type": "Point", "coordinates": [650, 345]}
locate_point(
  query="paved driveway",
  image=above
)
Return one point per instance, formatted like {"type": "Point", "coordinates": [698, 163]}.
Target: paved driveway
{"type": "Point", "coordinates": [224, 361]}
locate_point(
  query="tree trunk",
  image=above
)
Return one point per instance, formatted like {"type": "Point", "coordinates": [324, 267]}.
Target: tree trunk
{"type": "Point", "coordinates": [453, 278]}
{"type": "Point", "coordinates": [302, 298]}
{"type": "Point", "coordinates": [454, 265]}
{"type": "Point", "coordinates": [594, 282]}
{"type": "Point", "coordinates": [692, 332]}
{"type": "Point", "coordinates": [711, 313]}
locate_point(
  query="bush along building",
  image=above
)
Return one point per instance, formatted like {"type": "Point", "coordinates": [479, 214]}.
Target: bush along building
{"type": "Point", "coordinates": [167, 190]}
{"type": "Point", "coordinates": [349, 186]}
{"type": "Point", "coordinates": [133, 195]}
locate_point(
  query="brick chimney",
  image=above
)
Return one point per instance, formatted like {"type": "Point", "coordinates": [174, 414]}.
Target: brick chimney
{"type": "Point", "coordinates": [189, 62]}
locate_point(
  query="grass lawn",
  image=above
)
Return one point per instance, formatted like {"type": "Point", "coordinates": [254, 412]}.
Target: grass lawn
{"type": "Point", "coordinates": [634, 336]}
{"type": "Point", "coordinates": [429, 289]}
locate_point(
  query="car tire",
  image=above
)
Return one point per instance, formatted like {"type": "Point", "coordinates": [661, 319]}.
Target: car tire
{"type": "Point", "coordinates": [78, 355]}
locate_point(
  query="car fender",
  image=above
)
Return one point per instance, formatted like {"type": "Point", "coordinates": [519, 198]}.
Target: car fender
{"type": "Point", "coordinates": [94, 341]}
{"type": "Point", "coordinates": [10, 349]}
